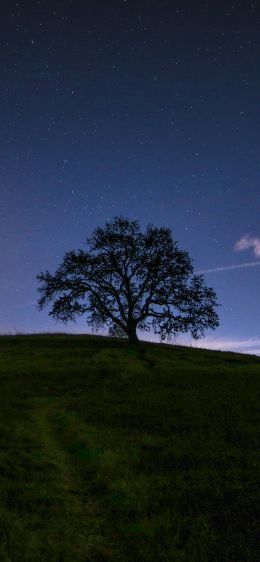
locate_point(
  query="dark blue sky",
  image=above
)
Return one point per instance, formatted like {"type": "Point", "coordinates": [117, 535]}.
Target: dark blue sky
{"type": "Point", "coordinates": [147, 109]}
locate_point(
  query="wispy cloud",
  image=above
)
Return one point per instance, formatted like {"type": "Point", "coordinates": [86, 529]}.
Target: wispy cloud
{"type": "Point", "coordinates": [229, 267]}
{"type": "Point", "coordinates": [250, 345]}
{"type": "Point", "coordinates": [247, 242]}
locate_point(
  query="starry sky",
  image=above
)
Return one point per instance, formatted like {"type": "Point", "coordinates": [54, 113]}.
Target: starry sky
{"type": "Point", "coordinates": [146, 109]}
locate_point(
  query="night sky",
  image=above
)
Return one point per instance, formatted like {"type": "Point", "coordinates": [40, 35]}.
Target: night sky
{"type": "Point", "coordinates": [146, 109]}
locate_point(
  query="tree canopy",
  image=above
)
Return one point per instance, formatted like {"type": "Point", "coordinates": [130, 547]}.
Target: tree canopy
{"type": "Point", "coordinates": [131, 280]}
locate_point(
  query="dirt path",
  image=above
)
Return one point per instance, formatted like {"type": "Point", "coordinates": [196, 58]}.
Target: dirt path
{"type": "Point", "coordinates": [60, 516]}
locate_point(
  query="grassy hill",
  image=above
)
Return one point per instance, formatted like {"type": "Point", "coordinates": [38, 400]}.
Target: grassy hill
{"type": "Point", "coordinates": [113, 453]}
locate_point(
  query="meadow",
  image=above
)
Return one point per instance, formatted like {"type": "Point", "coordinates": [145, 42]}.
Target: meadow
{"type": "Point", "coordinates": [116, 453]}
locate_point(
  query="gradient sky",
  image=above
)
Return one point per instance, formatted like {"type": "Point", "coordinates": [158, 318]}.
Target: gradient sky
{"type": "Point", "coordinates": [147, 109]}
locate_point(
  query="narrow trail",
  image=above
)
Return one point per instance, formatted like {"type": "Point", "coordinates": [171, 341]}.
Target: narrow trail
{"type": "Point", "coordinates": [68, 522]}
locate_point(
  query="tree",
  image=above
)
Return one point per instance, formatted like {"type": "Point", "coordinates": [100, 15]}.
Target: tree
{"type": "Point", "coordinates": [132, 280]}
{"type": "Point", "coordinates": [116, 332]}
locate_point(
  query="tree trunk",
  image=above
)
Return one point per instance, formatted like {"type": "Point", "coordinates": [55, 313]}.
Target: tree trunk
{"type": "Point", "coordinates": [132, 335]}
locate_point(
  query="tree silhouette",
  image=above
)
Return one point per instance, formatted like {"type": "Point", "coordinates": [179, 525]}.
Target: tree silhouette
{"type": "Point", "coordinates": [132, 280]}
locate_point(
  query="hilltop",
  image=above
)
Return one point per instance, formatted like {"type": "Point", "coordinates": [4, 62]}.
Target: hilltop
{"type": "Point", "coordinates": [127, 453]}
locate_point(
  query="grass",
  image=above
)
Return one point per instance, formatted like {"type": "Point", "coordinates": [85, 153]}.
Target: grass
{"type": "Point", "coordinates": [115, 453]}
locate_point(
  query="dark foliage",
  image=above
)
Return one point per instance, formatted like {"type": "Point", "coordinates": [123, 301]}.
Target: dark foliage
{"type": "Point", "coordinates": [131, 280]}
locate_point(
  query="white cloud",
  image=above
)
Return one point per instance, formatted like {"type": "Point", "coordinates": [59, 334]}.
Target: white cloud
{"type": "Point", "coordinates": [250, 345]}
{"type": "Point", "coordinates": [247, 242]}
